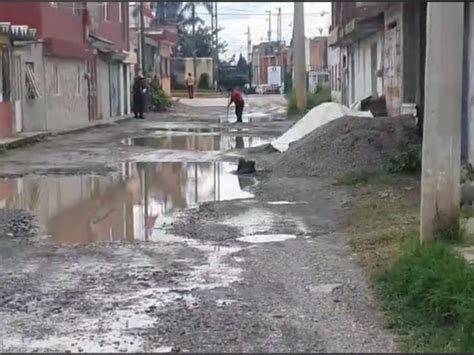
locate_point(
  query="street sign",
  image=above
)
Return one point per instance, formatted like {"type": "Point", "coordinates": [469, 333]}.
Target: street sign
{"type": "Point", "coordinates": [274, 75]}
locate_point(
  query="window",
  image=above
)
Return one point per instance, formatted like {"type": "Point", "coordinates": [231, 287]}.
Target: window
{"type": "Point", "coordinates": [55, 80]}
{"type": "Point", "coordinates": [31, 81]}
{"type": "Point", "coordinates": [76, 8]}
{"type": "Point", "coordinates": [78, 81]}
{"type": "Point", "coordinates": [106, 11]}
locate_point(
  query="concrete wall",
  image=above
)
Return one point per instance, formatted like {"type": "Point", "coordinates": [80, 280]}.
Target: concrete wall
{"type": "Point", "coordinates": [393, 58]}
{"type": "Point", "coordinates": [33, 111]}
{"type": "Point", "coordinates": [103, 89]}
{"type": "Point", "coordinates": [68, 107]}
{"type": "Point", "coordinates": [180, 67]}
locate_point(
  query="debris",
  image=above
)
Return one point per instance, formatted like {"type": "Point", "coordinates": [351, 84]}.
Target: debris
{"type": "Point", "coordinates": [318, 116]}
{"type": "Point", "coordinates": [246, 166]}
{"type": "Point", "coordinates": [348, 145]}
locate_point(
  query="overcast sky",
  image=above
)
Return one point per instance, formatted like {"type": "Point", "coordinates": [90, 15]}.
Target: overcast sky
{"type": "Point", "coordinates": [235, 17]}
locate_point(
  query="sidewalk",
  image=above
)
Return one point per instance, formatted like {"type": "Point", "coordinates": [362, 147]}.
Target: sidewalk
{"type": "Point", "coordinates": [26, 138]}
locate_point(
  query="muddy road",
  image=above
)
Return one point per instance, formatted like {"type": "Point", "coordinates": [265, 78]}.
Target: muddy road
{"type": "Point", "coordinates": [139, 237]}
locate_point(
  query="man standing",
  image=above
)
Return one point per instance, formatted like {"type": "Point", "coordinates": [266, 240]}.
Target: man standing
{"type": "Point", "coordinates": [237, 98]}
{"type": "Point", "coordinates": [139, 99]}
{"type": "Point", "coordinates": [190, 85]}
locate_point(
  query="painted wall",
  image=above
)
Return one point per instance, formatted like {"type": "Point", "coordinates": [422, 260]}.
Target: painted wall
{"type": "Point", "coordinates": [180, 67]}
{"type": "Point", "coordinates": [68, 107]}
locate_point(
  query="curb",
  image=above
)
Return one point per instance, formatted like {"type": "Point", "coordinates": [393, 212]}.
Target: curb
{"type": "Point", "coordinates": [21, 141]}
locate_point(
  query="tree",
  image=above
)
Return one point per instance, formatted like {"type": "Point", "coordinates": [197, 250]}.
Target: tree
{"type": "Point", "coordinates": [201, 42]}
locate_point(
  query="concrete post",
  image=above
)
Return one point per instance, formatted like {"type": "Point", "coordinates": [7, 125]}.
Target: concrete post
{"type": "Point", "coordinates": [440, 189]}
{"type": "Point", "coordinates": [299, 64]}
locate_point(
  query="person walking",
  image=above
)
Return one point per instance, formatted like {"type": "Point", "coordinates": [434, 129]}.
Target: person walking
{"type": "Point", "coordinates": [237, 98]}
{"type": "Point", "coordinates": [190, 85]}
{"type": "Point", "coordinates": [139, 92]}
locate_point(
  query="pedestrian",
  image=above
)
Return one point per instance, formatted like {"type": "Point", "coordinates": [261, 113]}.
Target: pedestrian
{"type": "Point", "coordinates": [139, 100]}
{"type": "Point", "coordinates": [237, 98]}
{"type": "Point", "coordinates": [190, 85]}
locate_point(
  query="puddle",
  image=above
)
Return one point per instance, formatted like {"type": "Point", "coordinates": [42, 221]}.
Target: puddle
{"type": "Point", "coordinates": [278, 203]}
{"type": "Point", "coordinates": [266, 238]}
{"type": "Point", "coordinates": [122, 207]}
{"type": "Point", "coordinates": [197, 142]}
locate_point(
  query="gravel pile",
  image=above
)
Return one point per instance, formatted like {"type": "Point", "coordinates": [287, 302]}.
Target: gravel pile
{"type": "Point", "coordinates": [17, 224]}
{"type": "Point", "coordinates": [347, 145]}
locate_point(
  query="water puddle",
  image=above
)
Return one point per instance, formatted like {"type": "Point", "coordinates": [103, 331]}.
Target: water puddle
{"type": "Point", "coordinates": [122, 207]}
{"type": "Point", "coordinates": [197, 142]}
{"type": "Point", "coordinates": [266, 238]}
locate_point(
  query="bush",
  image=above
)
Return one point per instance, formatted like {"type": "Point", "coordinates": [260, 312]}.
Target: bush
{"type": "Point", "coordinates": [428, 296]}
{"type": "Point", "coordinates": [159, 99]}
{"type": "Point", "coordinates": [204, 81]}
{"type": "Point", "coordinates": [322, 94]}
{"type": "Point", "coordinates": [408, 161]}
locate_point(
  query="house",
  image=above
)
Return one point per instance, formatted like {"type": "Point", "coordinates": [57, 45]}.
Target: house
{"type": "Point", "coordinates": [77, 74]}
{"type": "Point", "coordinates": [10, 77]}
{"type": "Point", "coordinates": [380, 52]}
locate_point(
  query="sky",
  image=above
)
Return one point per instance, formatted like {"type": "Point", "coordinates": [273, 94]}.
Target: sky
{"type": "Point", "coordinates": [235, 17]}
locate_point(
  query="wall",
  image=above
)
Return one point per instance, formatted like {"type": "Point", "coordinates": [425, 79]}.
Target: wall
{"type": "Point", "coordinates": [33, 110]}
{"type": "Point", "coordinates": [103, 89]}
{"type": "Point", "coordinates": [318, 52]}
{"type": "Point", "coordinates": [111, 29]}
{"type": "Point", "coordinates": [180, 67]}
{"type": "Point", "coordinates": [393, 60]}
{"type": "Point", "coordinates": [68, 108]}
{"type": "Point", "coordinates": [363, 69]}
{"type": "Point", "coordinates": [334, 64]}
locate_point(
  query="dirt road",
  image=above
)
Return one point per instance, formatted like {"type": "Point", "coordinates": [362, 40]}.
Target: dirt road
{"type": "Point", "coordinates": [143, 239]}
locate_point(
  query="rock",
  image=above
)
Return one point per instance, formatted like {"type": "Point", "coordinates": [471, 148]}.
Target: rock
{"type": "Point", "coordinates": [246, 166]}
{"type": "Point", "coordinates": [467, 194]}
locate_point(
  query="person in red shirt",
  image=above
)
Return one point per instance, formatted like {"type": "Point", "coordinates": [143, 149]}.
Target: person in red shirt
{"type": "Point", "coordinates": [237, 98]}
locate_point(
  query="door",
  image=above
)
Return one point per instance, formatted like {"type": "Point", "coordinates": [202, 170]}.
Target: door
{"type": "Point", "coordinates": [392, 68]}
{"type": "Point", "coordinates": [17, 93]}
{"type": "Point", "coordinates": [114, 84]}
{"type": "Point", "coordinates": [373, 68]}
{"type": "Point", "coordinates": [92, 89]}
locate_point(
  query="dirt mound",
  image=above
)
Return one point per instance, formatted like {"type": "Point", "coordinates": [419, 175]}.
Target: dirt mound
{"type": "Point", "coordinates": [347, 145]}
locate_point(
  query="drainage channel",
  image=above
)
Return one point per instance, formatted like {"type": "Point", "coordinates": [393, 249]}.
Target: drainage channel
{"type": "Point", "coordinates": [124, 207]}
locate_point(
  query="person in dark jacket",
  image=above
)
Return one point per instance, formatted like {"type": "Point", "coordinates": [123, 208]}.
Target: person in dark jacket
{"type": "Point", "coordinates": [139, 100]}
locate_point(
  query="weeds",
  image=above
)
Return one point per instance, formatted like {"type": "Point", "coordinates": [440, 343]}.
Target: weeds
{"type": "Point", "coordinates": [408, 161]}
{"type": "Point", "coordinates": [322, 94]}
{"type": "Point", "coordinates": [428, 296]}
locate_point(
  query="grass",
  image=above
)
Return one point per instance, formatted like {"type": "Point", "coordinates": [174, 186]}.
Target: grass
{"type": "Point", "coordinates": [314, 99]}
{"type": "Point", "coordinates": [426, 291]}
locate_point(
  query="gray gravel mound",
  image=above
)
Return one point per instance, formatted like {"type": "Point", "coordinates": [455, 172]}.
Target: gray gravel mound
{"type": "Point", "coordinates": [347, 145]}
{"type": "Point", "coordinates": [17, 224]}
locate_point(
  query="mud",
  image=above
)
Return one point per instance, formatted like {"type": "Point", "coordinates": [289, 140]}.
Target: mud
{"type": "Point", "coordinates": [174, 252]}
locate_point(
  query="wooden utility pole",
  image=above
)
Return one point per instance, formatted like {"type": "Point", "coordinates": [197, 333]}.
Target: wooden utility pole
{"type": "Point", "coordinates": [142, 39]}
{"type": "Point", "coordinates": [299, 65]}
{"type": "Point", "coordinates": [441, 160]}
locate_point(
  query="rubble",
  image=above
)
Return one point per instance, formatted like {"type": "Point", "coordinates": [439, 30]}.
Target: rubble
{"type": "Point", "coordinates": [347, 145]}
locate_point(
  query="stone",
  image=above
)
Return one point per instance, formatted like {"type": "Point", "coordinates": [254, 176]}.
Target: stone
{"type": "Point", "coordinates": [246, 166]}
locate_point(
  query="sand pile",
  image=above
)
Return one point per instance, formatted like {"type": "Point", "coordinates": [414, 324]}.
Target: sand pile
{"type": "Point", "coordinates": [346, 145]}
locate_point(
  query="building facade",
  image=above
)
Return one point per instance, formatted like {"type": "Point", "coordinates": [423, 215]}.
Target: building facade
{"type": "Point", "coordinates": [380, 52]}
{"type": "Point", "coordinates": [67, 78]}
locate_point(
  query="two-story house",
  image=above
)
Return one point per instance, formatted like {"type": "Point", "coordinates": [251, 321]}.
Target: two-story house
{"type": "Point", "coordinates": [75, 63]}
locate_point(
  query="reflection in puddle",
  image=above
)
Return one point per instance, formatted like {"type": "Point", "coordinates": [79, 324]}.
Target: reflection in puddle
{"type": "Point", "coordinates": [197, 142]}
{"type": "Point", "coordinates": [85, 209]}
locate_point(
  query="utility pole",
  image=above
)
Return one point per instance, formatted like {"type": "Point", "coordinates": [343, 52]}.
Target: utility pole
{"type": "Point", "coordinates": [249, 45]}
{"type": "Point", "coordinates": [142, 39]}
{"type": "Point", "coordinates": [299, 65]}
{"type": "Point", "coordinates": [269, 24]}
{"type": "Point", "coordinates": [279, 25]}
{"type": "Point", "coordinates": [193, 16]}
{"type": "Point", "coordinates": [216, 52]}
{"type": "Point", "coordinates": [441, 157]}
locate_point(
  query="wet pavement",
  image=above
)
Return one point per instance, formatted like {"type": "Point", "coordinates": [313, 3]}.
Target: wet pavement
{"type": "Point", "coordinates": [145, 240]}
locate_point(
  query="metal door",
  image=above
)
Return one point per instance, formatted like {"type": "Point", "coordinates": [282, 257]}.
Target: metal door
{"type": "Point", "coordinates": [114, 84]}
